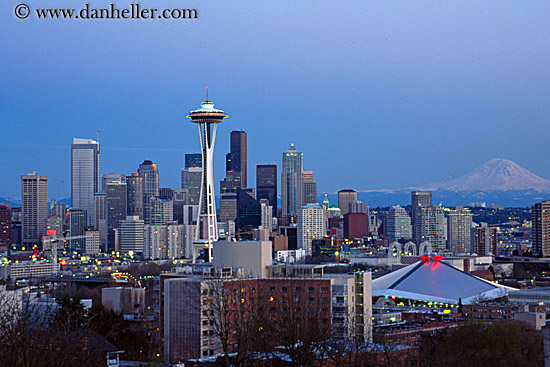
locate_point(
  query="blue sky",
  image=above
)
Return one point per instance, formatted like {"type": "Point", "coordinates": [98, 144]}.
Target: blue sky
{"type": "Point", "coordinates": [376, 94]}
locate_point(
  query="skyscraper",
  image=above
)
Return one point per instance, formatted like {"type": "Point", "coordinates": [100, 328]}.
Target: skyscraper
{"type": "Point", "coordinates": [311, 226]}
{"type": "Point", "coordinates": [131, 235]}
{"type": "Point", "coordinates": [207, 118]}
{"type": "Point", "coordinates": [459, 229]}
{"type": "Point", "coordinates": [193, 160]}
{"type": "Point", "coordinates": [34, 194]}
{"type": "Point", "coordinates": [116, 206]}
{"type": "Point", "coordinates": [419, 199]}
{"type": "Point", "coordinates": [345, 197]}
{"type": "Point", "coordinates": [291, 182]}
{"type": "Point", "coordinates": [485, 240]}
{"type": "Point", "coordinates": [309, 188]}
{"type": "Point", "coordinates": [540, 213]}
{"type": "Point", "coordinates": [85, 176]}
{"type": "Point", "coordinates": [398, 224]}
{"type": "Point", "coordinates": [78, 222]}
{"type": "Point", "coordinates": [134, 188]}
{"type": "Point", "coordinates": [356, 225]}
{"type": "Point", "coordinates": [266, 215]}
{"type": "Point", "coordinates": [236, 161]}
{"type": "Point", "coordinates": [266, 184]}
{"type": "Point", "coordinates": [249, 214]}
{"type": "Point", "coordinates": [191, 177]}
{"type": "Point", "coordinates": [5, 226]}
{"type": "Point", "coordinates": [431, 227]}
{"type": "Point", "coordinates": [148, 170]}
{"type": "Point", "coordinates": [111, 177]}
{"type": "Point", "coordinates": [101, 218]}
{"type": "Point", "coordinates": [162, 210]}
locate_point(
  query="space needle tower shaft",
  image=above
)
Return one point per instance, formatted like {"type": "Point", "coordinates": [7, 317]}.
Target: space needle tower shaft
{"type": "Point", "coordinates": [207, 118]}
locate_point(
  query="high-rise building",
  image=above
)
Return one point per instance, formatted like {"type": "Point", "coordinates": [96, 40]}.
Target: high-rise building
{"type": "Point", "coordinates": [85, 175]}
{"type": "Point", "coordinates": [162, 210]}
{"type": "Point", "coordinates": [34, 194]}
{"type": "Point", "coordinates": [311, 226]}
{"type": "Point", "coordinates": [208, 118]}
{"type": "Point", "coordinates": [78, 222]}
{"type": "Point", "coordinates": [356, 225]}
{"type": "Point", "coordinates": [54, 226]}
{"type": "Point", "coordinates": [431, 227]}
{"type": "Point", "coordinates": [266, 215]}
{"type": "Point", "coordinates": [309, 188]}
{"type": "Point", "coordinates": [291, 182]}
{"type": "Point", "coordinates": [150, 174]}
{"type": "Point", "coordinates": [228, 206]}
{"type": "Point", "coordinates": [134, 188]}
{"type": "Point", "coordinates": [236, 160]}
{"type": "Point", "coordinates": [307, 176]}
{"type": "Point", "coordinates": [168, 241]}
{"type": "Point", "coordinates": [345, 197]}
{"type": "Point", "coordinates": [484, 240]}
{"type": "Point", "coordinates": [191, 181]}
{"type": "Point", "coordinates": [166, 191]}
{"type": "Point", "coordinates": [191, 177]}
{"type": "Point", "coordinates": [459, 229]}
{"type": "Point", "coordinates": [248, 213]}
{"type": "Point", "coordinates": [111, 177]}
{"type": "Point", "coordinates": [130, 234]}
{"type": "Point", "coordinates": [419, 199]}
{"type": "Point", "coordinates": [358, 207]}
{"type": "Point", "coordinates": [92, 242]}
{"type": "Point", "coordinates": [116, 206]}
{"type": "Point", "coordinates": [5, 226]}
{"type": "Point", "coordinates": [540, 213]}
{"type": "Point", "coordinates": [193, 160]}
{"type": "Point", "coordinates": [179, 200]}
{"type": "Point", "coordinates": [235, 175]}
{"type": "Point", "coordinates": [398, 224]}
{"type": "Point", "coordinates": [266, 184]}
{"type": "Point", "coordinates": [101, 218]}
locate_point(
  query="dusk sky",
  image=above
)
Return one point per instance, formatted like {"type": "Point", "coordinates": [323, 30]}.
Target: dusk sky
{"type": "Point", "coordinates": [376, 94]}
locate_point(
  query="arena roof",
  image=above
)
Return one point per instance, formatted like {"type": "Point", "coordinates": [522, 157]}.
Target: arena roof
{"type": "Point", "coordinates": [435, 281]}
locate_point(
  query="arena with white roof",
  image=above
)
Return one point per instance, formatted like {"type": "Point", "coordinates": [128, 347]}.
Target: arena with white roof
{"type": "Point", "coordinates": [431, 281]}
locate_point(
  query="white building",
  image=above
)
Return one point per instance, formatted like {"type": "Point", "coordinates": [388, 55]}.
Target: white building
{"type": "Point", "coordinates": [311, 225]}
{"type": "Point", "coordinates": [168, 242]}
{"type": "Point", "coordinates": [398, 223]}
{"type": "Point", "coordinates": [291, 256]}
{"type": "Point", "coordinates": [352, 306]}
{"type": "Point", "coordinates": [459, 227]}
{"type": "Point", "coordinates": [252, 256]}
{"type": "Point", "coordinates": [91, 242]}
{"type": "Point", "coordinates": [130, 233]}
{"type": "Point", "coordinates": [266, 215]}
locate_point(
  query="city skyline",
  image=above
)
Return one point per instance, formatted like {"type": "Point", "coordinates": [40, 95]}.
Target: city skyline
{"type": "Point", "coordinates": [447, 85]}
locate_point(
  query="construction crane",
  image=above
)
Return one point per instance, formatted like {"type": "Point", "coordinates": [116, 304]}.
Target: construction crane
{"type": "Point", "coordinates": [53, 247]}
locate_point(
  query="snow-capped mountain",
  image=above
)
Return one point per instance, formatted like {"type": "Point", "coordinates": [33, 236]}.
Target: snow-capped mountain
{"type": "Point", "coordinates": [497, 175]}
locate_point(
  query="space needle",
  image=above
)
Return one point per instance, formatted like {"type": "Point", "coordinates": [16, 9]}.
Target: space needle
{"type": "Point", "coordinates": [207, 118]}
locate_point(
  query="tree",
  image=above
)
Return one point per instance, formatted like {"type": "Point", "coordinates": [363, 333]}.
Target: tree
{"type": "Point", "coordinates": [477, 343]}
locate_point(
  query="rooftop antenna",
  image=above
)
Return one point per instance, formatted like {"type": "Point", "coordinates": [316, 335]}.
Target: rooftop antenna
{"type": "Point", "coordinates": [206, 94]}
